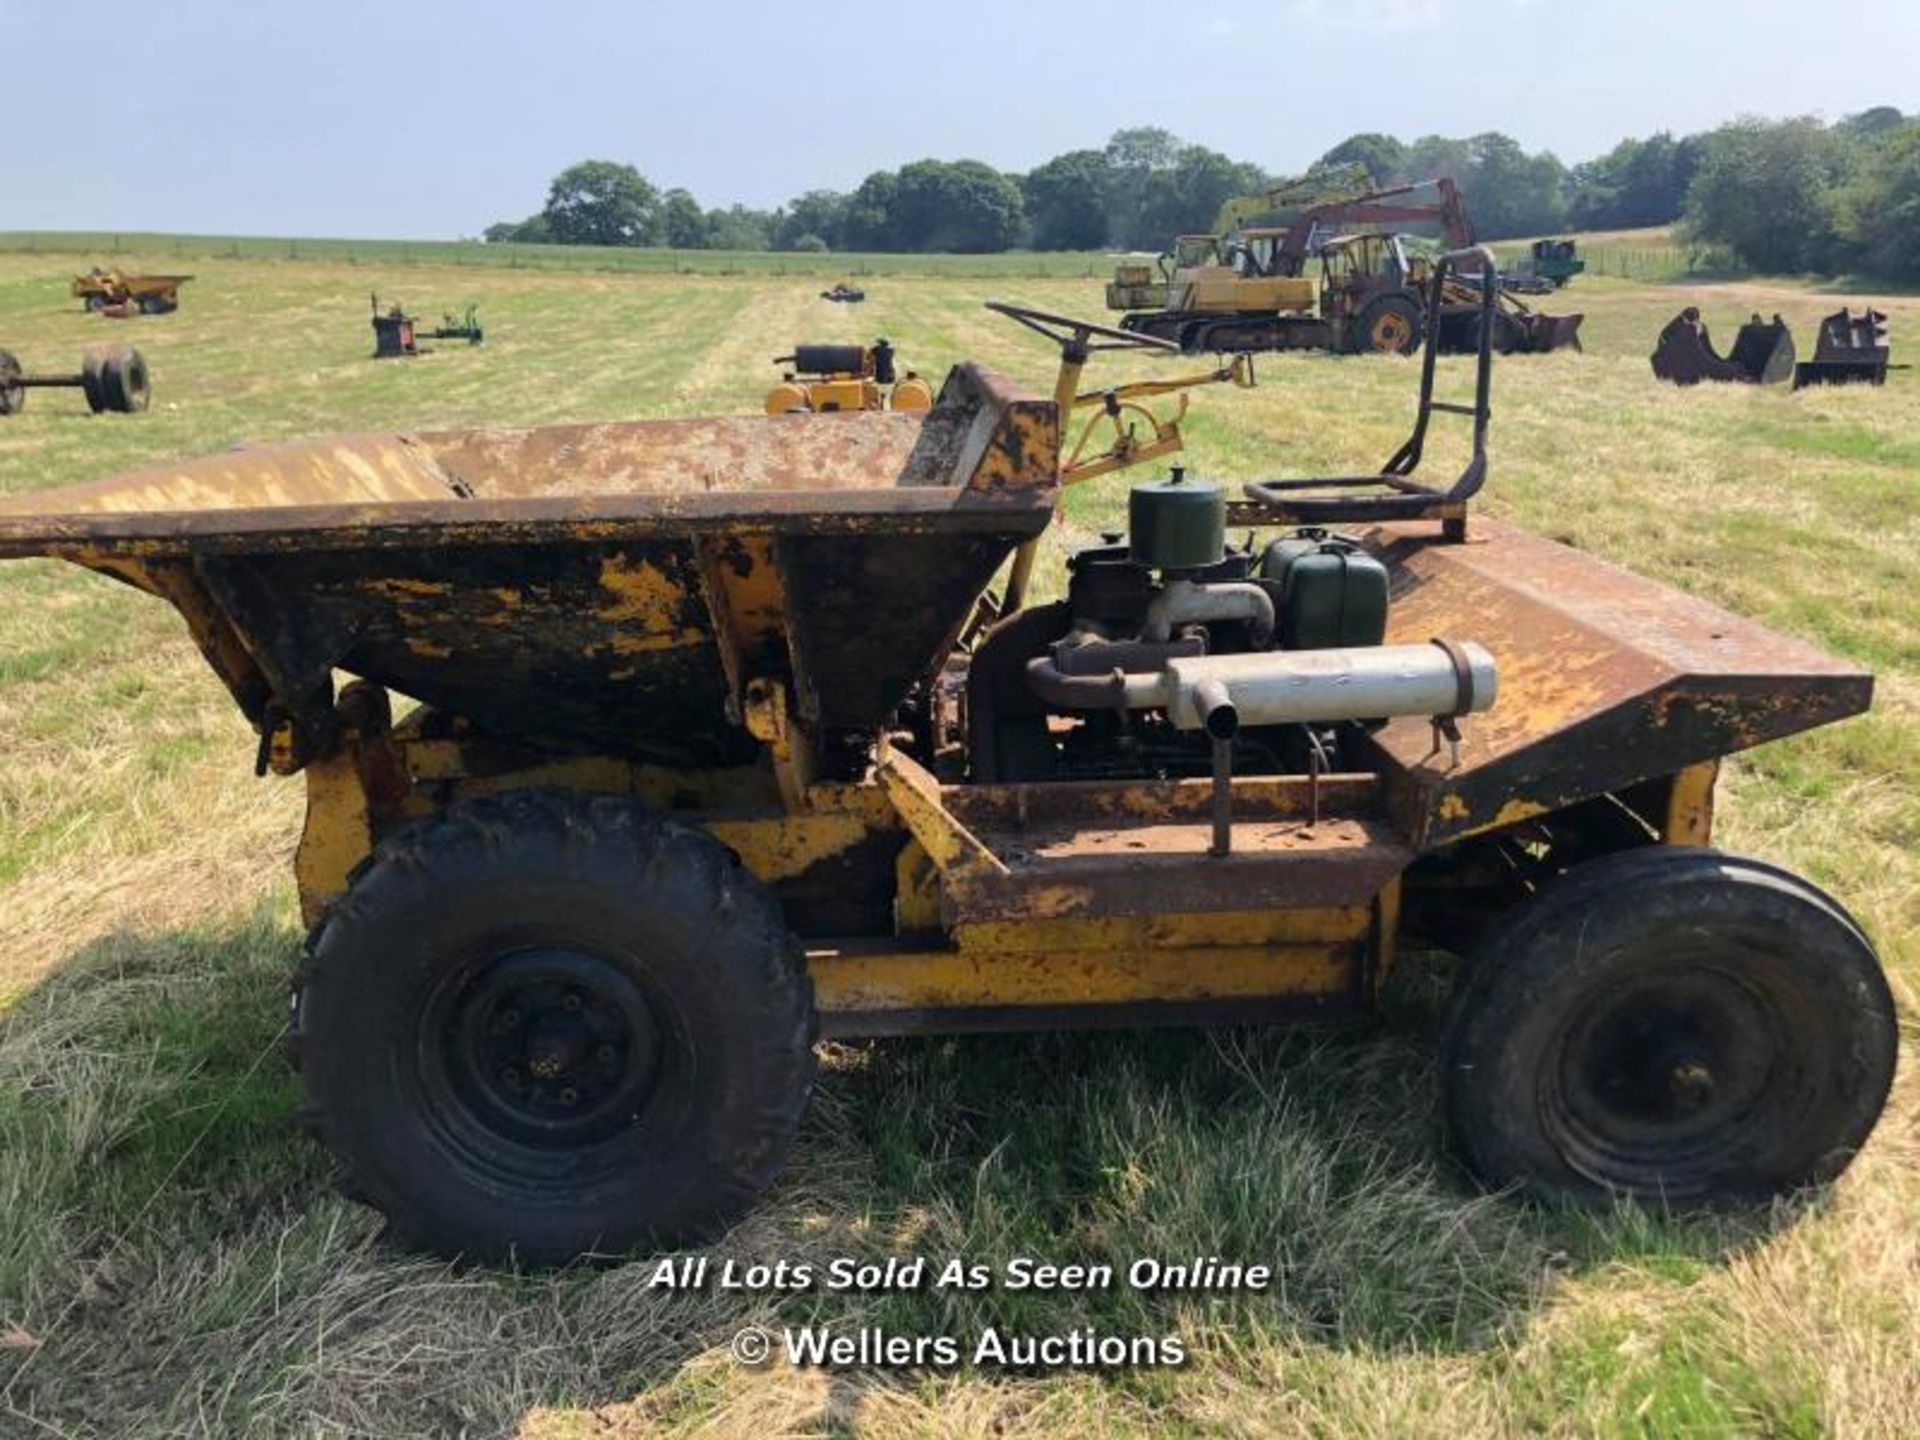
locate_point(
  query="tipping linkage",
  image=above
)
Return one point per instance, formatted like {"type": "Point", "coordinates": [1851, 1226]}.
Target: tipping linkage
{"type": "Point", "coordinates": [113, 377]}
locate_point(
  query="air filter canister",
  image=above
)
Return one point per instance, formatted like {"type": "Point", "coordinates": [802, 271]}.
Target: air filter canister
{"type": "Point", "coordinates": [1177, 524]}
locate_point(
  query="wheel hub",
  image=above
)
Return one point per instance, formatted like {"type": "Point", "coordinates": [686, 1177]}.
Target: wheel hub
{"type": "Point", "coordinates": [1661, 1079]}
{"type": "Point", "coordinates": [550, 1046]}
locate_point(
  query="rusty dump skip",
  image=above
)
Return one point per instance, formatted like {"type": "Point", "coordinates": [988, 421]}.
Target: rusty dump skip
{"type": "Point", "coordinates": [612, 585]}
{"type": "Point", "coordinates": [1606, 679]}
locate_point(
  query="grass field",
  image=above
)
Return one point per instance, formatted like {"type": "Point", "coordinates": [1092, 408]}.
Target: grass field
{"type": "Point", "coordinates": [172, 1260]}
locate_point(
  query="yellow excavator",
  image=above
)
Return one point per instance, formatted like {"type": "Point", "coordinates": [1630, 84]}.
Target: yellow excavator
{"type": "Point", "coordinates": [1317, 265]}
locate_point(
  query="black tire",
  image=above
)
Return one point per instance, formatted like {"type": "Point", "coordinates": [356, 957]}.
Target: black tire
{"type": "Point", "coordinates": [96, 302]}
{"type": "Point", "coordinates": [124, 384]}
{"type": "Point", "coordinates": [13, 395]}
{"type": "Point", "coordinates": [1389, 325]}
{"type": "Point", "coordinates": [93, 365]}
{"type": "Point", "coordinates": [540, 1026]}
{"type": "Point", "coordinates": [1671, 1024]}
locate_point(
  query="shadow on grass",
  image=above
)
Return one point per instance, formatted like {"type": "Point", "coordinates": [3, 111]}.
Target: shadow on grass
{"type": "Point", "coordinates": [171, 1249]}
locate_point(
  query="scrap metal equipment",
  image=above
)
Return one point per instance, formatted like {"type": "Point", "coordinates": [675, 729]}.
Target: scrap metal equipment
{"type": "Point", "coordinates": [721, 734]}
{"type": "Point", "coordinates": [1762, 352]}
{"type": "Point", "coordinates": [112, 377]}
{"type": "Point", "coordinates": [1850, 350]}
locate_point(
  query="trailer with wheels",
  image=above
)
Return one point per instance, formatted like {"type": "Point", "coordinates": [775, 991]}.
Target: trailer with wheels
{"type": "Point", "coordinates": [112, 377]}
{"type": "Point", "coordinates": [722, 736]}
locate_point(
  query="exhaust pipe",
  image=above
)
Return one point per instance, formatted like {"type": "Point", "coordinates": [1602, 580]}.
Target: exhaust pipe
{"type": "Point", "coordinates": [1219, 693]}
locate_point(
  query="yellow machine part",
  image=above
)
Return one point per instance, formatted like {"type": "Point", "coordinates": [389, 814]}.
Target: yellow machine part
{"type": "Point", "coordinates": [911, 393]}
{"type": "Point", "coordinates": [1222, 289]}
{"type": "Point", "coordinates": [1147, 295]}
{"type": "Point", "coordinates": [786, 398]}
{"type": "Point", "coordinates": [834, 393]}
{"type": "Point", "coordinates": [933, 978]}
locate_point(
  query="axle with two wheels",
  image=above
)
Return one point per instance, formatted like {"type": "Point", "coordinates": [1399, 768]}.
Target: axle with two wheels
{"type": "Point", "coordinates": [113, 377]}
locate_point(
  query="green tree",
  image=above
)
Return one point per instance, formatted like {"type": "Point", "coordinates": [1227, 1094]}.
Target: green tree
{"type": "Point", "coordinates": [867, 223]}
{"type": "Point", "coordinates": [1434, 155]}
{"type": "Point", "coordinates": [1872, 124]}
{"type": "Point", "coordinates": [821, 214]}
{"type": "Point", "coordinates": [1066, 201]}
{"type": "Point", "coordinates": [534, 230]}
{"type": "Point", "coordinates": [963, 206]}
{"type": "Point", "coordinates": [1383, 156]}
{"type": "Point", "coordinates": [1136, 159]}
{"type": "Point", "coordinates": [600, 202]}
{"type": "Point", "coordinates": [739, 227]}
{"type": "Point", "coordinates": [1184, 198]}
{"type": "Point", "coordinates": [681, 223]}
{"type": "Point", "coordinates": [1510, 192]}
{"type": "Point", "coordinates": [1877, 211]}
{"type": "Point", "coordinates": [1765, 190]}
{"type": "Point", "coordinates": [1637, 183]}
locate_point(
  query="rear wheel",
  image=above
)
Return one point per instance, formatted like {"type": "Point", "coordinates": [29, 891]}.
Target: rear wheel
{"type": "Point", "coordinates": [1388, 326]}
{"type": "Point", "coordinates": [540, 1026]}
{"type": "Point", "coordinates": [1670, 1024]}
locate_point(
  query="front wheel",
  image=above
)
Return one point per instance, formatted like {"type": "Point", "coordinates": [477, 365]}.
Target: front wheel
{"type": "Point", "coordinates": [1388, 326]}
{"type": "Point", "coordinates": [542, 1025]}
{"type": "Point", "coordinates": [1671, 1024]}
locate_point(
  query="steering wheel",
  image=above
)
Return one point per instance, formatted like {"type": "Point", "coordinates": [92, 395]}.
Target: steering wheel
{"type": "Point", "coordinates": [1068, 333]}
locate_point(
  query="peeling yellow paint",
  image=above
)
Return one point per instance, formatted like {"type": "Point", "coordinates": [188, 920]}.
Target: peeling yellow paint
{"type": "Point", "coordinates": [1513, 812]}
{"type": "Point", "coordinates": [644, 608]}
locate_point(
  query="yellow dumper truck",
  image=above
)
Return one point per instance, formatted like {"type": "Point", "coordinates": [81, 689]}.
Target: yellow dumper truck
{"type": "Point", "coordinates": [666, 747]}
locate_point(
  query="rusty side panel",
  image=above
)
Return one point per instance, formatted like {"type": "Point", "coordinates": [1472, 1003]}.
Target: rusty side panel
{"type": "Point", "coordinates": [1088, 871]}
{"type": "Point", "coordinates": [1113, 803]}
{"type": "Point", "coordinates": [1607, 679]}
{"type": "Point", "coordinates": [1077, 968]}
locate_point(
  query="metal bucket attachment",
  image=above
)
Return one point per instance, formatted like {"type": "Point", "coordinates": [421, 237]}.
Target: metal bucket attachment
{"type": "Point", "coordinates": [1762, 352]}
{"type": "Point", "coordinates": [1851, 350]}
{"type": "Point", "coordinates": [1539, 333]}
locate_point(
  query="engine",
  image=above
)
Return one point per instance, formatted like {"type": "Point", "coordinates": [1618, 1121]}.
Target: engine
{"type": "Point", "coordinates": [1176, 653]}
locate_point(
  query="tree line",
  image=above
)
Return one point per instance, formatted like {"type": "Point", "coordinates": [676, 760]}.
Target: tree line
{"type": "Point", "coordinates": [1781, 195]}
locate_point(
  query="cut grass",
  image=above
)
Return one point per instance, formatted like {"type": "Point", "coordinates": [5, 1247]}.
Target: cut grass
{"type": "Point", "coordinates": [170, 1239]}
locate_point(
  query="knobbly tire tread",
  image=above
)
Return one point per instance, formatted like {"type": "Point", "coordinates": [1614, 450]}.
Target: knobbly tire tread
{"type": "Point", "coordinates": [754, 966]}
{"type": "Point", "coordinates": [1516, 967]}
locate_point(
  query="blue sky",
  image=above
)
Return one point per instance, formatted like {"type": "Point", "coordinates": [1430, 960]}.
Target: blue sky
{"type": "Point", "coordinates": [434, 118]}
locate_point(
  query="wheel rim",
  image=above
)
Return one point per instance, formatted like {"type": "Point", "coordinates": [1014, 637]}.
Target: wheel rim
{"type": "Point", "coordinates": [1391, 331]}
{"type": "Point", "coordinates": [547, 1048]}
{"type": "Point", "coordinates": [1663, 1079]}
